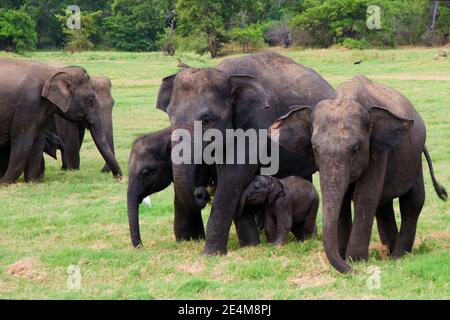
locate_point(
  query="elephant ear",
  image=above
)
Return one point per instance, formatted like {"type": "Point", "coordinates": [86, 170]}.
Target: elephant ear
{"type": "Point", "coordinates": [387, 128]}
{"type": "Point", "coordinates": [293, 130]}
{"type": "Point", "coordinates": [248, 97]}
{"type": "Point", "coordinates": [58, 90]}
{"type": "Point", "coordinates": [165, 93]}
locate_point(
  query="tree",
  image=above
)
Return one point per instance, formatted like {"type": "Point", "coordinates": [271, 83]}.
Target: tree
{"type": "Point", "coordinates": [135, 25]}
{"type": "Point", "coordinates": [81, 39]}
{"type": "Point", "coordinates": [199, 16]}
{"type": "Point", "coordinates": [17, 31]}
{"type": "Point", "coordinates": [251, 36]}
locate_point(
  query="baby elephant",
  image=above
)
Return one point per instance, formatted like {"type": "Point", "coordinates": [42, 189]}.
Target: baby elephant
{"type": "Point", "coordinates": [288, 204]}
{"type": "Point", "coordinates": [150, 171]}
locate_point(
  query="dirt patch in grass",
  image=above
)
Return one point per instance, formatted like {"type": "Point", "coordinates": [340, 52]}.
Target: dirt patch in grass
{"type": "Point", "coordinates": [28, 268]}
{"type": "Point", "coordinates": [441, 235]}
{"type": "Point", "coordinates": [99, 245]}
{"type": "Point", "coordinates": [312, 280]}
{"type": "Point", "coordinates": [192, 268]}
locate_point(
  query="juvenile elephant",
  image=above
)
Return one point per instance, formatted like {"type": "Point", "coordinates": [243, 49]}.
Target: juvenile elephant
{"type": "Point", "coordinates": [250, 92]}
{"type": "Point", "coordinates": [150, 171]}
{"type": "Point", "coordinates": [367, 144]}
{"type": "Point", "coordinates": [288, 204]}
{"type": "Point", "coordinates": [28, 96]}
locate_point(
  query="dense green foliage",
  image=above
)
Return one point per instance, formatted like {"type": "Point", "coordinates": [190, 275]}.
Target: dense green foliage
{"type": "Point", "coordinates": [207, 25]}
{"type": "Point", "coordinates": [17, 30]}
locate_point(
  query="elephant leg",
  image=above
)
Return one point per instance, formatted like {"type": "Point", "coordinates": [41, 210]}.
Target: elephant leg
{"type": "Point", "coordinates": [231, 183]}
{"type": "Point", "coordinates": [310, 225]}
{"type": "Point", "coordinates": [366, 197]}
{"type": "Point", "coordinates": [35, 167]}
{"type": "Point", "coordinates": [298, 230]}
{"type": "Point", "coordinates": [411, 205]}
{"type": "Point", "coordinates": [17, 160]}
{"type": "Point", "coordinates": [270, 228]}
{"type": "Point", "coordinates": [247, 230]}
{"type": "Point", "coordinates": [71, 136]}
{"type": "Point", "coordinates": [4, 159]}
{"type": "Point", "coordinates": [188, 223]}
{"type": "Point", "coordinates": [345, 223]}
{"type": "Point", "coordinates": [387, 227]}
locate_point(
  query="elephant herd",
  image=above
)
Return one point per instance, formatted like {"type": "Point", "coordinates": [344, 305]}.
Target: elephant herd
{"type": "Point", "coordinates": [44, 108]}
{"type": "Point", "coordinates": [365, 139]}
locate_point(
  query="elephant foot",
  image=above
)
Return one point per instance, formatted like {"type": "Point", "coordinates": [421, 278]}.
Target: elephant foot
{"type": "Point", "coordinates": [357, 256]}
{"type": "Point", "coordinates": [248, 233]}
{"type": "Point", "coordinates": [106, 169]}
{"type": "Point", "coordinates": [279, 243]}
{"type": "Point", "coordinates": [214, 251]}
{"type": "Point", "coordinates": [197, 236]}
{"type": "Point", "coordinates": [397, 253]}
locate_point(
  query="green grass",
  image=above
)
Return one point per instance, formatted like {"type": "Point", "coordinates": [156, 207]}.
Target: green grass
{"type": "Point", "coordinates": [80, 217]}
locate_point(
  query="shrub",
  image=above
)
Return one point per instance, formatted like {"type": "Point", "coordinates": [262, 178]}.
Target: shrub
{"type": "Point", "coordinates": [350, 43]}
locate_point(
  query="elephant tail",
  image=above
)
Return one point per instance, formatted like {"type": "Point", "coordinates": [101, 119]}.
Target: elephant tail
{"type": "Point", "coordinates": [440, 190]}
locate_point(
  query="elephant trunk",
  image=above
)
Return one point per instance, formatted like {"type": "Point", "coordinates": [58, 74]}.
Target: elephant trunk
{"type": "Point", "coordinates": [107, 119]}
{"type": "Point", "coordinates": [334, 181]}
{"type": "Point", "coordinates": [103, 146]}
{"type": "Point", "coordinates": [133, 201]}
{"type": "Point", "coordinates": [184, 184]}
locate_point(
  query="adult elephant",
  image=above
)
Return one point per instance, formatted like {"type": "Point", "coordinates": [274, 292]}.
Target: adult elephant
{"type": "Point", "coordinates": [30, 92]}
{"type": "Point", "coordinates": [72, 133]}
{"type": "Point", "coordinates": [241, 93]}
{"type": "Point", "coordinates": [368, 145]}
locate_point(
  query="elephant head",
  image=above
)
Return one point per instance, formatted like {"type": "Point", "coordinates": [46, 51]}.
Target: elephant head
{"type": "Point", "coordinates": [216, 99]}
{"type": "Point", "coordinates": [263, 189]}
{"type": "Point", "coordinates": [344, 135]}
{"type": "Point", "coordinates": [72, 91]}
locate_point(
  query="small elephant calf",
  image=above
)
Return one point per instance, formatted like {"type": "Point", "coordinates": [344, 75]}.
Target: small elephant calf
{"type": "Point", "coordinates": [150, 171]}
{"type": "Point", "coordinates": [288, 204]}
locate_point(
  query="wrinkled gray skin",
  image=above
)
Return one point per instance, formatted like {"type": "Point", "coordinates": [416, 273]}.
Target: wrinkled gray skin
{"type": "Point", "coordinates": [247, 92]}
{"type": "Point", "coordinates": [28, 96]}
{"type": "Point", "coordinates": [288, 204]}
{"type": "Point", "coordinates": [150, 171]}
{"type": "Point", "coordinates": [368, 144]}
{"type": "Point", "coordinates": [72, 133]}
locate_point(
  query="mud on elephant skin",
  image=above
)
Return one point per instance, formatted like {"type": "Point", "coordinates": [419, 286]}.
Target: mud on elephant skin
{"type": "Point", "coordinates": [241, 93]}
{"type": "Point", "coordinates": [368, 145]}
{"type": "Point", "coordinates": [288, 204]}
{"type": "Point", "coordinates": [150, 171]}
{"type": "Point", "coordinates": [27, 99]}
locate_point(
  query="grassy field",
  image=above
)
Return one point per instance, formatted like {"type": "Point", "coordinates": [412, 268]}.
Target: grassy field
{"type": "Point", "coordinates": [80, 218]}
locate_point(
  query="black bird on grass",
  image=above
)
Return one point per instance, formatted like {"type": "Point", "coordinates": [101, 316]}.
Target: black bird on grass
{"type": "Point", "coordinates": [357, 62]}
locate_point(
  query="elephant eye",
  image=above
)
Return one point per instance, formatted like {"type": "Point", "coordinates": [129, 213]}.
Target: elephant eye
{"type": "Point", "coordinates": [356, 148]}
{"type": "Point", "coordinates": [147, 171]}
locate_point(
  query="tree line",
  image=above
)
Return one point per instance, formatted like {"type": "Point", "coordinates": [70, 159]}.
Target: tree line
{"type": "Point", "coordinates": [215, 26]}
